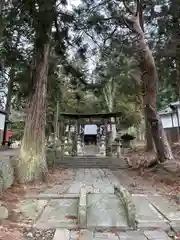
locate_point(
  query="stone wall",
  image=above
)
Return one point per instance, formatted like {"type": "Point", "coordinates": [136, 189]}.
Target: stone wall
{"type": "Point", "coordinates": [53, 156]}
{"type": "Point", "coordinates": [6, 172]}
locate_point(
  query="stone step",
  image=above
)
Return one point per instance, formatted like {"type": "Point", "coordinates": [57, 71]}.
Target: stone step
{"type": "Point", "coordinates": [69, 158]}
{"type": "Point", "coordinates": [85, 234]}
{"type": "Point", "coordinates": [91, 166]}
{"type": "Point", "coordinates": [89, 163]}
{"type": "Point", "coordinates": [93, 163]}
{"type": "Point", "coordinates": [76, 162]}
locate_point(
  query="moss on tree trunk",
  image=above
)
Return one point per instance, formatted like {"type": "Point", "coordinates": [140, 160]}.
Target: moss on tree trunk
{"type": "Point", "coordinates": [32, 160]}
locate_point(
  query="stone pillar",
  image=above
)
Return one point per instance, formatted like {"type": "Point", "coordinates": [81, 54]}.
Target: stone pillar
{"type": "Point", "coordinates": [103, 146]}
{"type": "Point", "coordinates": [79, 146]}
{"type": "Point", "coordinates": [119, 149]}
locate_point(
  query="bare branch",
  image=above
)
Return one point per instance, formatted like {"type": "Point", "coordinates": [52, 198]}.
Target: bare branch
{"type": "Point", "coordinates": [127, 7]}
{"type": "Point", "coordinates": [110, 35]}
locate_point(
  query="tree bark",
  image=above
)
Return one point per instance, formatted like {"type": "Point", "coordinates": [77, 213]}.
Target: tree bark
{"type": "Point", "coordinates": [109, 92]}
{"type": "Point", "coordinates": [32, 162]}
{"type": "Point", "coordinates": [148, 135]}
{"type": "Point", "coordinates": [8, 104]}
{"type": "Point", "coordinates": [150, 79]}
{"type": "Point", "coordinates": [150, 82]}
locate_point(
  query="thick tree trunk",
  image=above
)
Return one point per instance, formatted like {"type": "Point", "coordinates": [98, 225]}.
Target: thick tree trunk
{"type": "Point", "coordinates": [150, 79]}
{"type": "Point", "coordinates": [150, 82]}
{"type": "Point", "coordinates": [148, 135]}
{"type": "Point", "coordinates": [8, 104]}
{"type": "Point", "coordinates": [109, 95]}
{"type": "Point", "coordinates": [32, 162]}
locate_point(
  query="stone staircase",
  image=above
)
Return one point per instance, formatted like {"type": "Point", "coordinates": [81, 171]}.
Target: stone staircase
{"type": "Point", "coordinates": [93, 162]}
{"type": "Point", "coordinates": [90, 150]}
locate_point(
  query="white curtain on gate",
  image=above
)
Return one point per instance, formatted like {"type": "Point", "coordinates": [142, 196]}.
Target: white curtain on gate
{"type": "Point", "coordinates": [90, 129]}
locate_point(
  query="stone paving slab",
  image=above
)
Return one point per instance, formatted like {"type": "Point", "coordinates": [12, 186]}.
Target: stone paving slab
{"type": "Point", "coordinates": [105, 236]}
{"type": "Point", "coordinates": [168, 209]}
{"type": "Point", "coordinates": [60, 213]}
{"type": "Point", "coordinates": [147, 215]}
{"type": "Point", "coordinates": [145, 211]}
{"type": "Point", "coordinates": [165, 207]}
{"type": "Point", "coordinates": [105, 211]}
{"type": "Point", "coordinates": [62, 234]}
{"type": "Point", "coordinates": [31, 208]}
{"type": "Point", "coordinates": [143, 225]}
{"type": "Point", "coordinates": [156, 235]}
{"type": "Point", "coordinates": [131, 235]}
{"type": "Point", "coordinates": [84, 234]}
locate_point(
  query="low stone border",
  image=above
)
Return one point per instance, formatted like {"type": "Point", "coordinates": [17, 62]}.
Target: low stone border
{"type": "Point", "coordinates": [82, 208]}
{"type": "Point", "coordinates": [52, 196]}
{"type": "Point", "coordinates": [128, 204]}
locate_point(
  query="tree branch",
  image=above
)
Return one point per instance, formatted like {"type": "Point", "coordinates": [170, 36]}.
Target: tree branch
{"type": "Point", "coordinates": [110, 35]}
{"type": "Point", "coordinates": [127, 7]}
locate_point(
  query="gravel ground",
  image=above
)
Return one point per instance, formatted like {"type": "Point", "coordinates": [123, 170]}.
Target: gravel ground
{"type": "Point", "coordinates": [37, 234]}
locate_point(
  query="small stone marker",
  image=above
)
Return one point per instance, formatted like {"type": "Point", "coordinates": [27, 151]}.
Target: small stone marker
{"type": "Point", "coordinates": [82, 218]}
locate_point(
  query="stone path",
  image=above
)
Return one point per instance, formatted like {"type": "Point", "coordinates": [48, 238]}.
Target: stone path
{"type": "Point", "coordinates": [90, 208]}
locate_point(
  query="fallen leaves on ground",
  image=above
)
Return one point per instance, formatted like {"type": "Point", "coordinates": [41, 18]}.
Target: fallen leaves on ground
{"type": "Point", "coordinates": [154, 179]}
{"type": "Point", "coordinates": [11, 228]}
{"type": "Point", "coordinates": [7, 233]}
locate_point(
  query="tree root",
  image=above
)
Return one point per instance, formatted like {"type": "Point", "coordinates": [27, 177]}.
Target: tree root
{"type": "Point", "coordinates": [172, 167]}
{"type": "Point", "coordinates": [146, 160]}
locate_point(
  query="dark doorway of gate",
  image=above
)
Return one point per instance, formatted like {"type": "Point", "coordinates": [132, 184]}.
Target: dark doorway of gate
{"type": "Point", "coordinates": [90, 139]}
